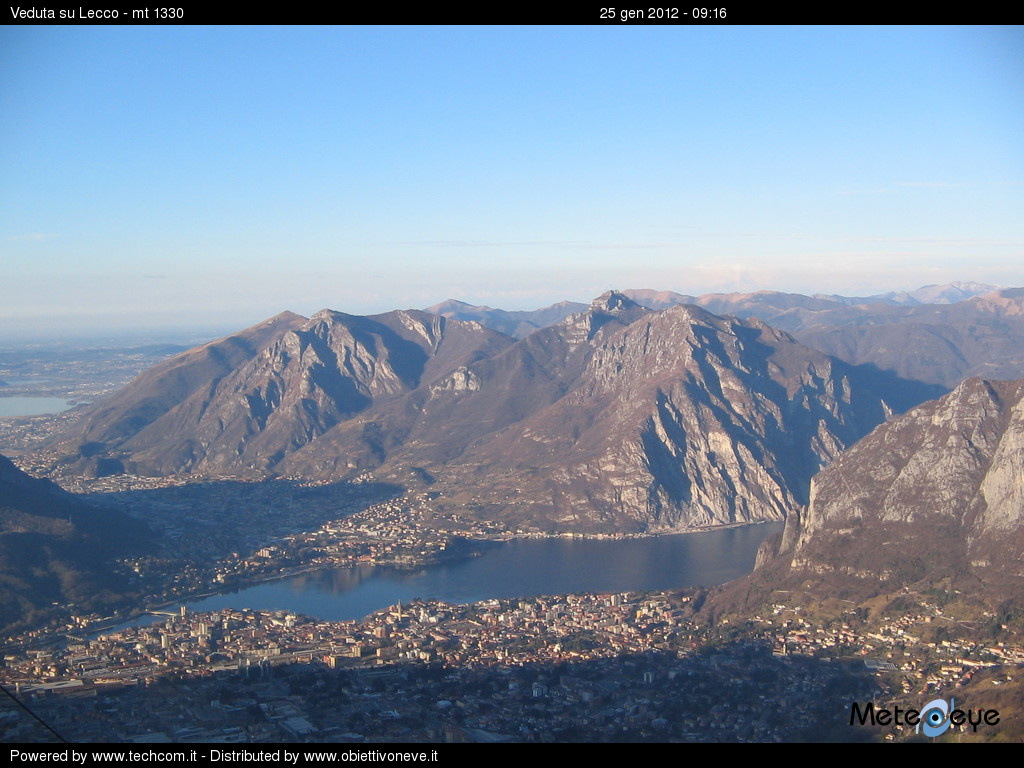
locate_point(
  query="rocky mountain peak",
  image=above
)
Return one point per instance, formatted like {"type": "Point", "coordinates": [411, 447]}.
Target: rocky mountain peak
{"type": "Point", "coordinates": [613, 301]}
{"type": "Point", "coordinates": [606, 314]}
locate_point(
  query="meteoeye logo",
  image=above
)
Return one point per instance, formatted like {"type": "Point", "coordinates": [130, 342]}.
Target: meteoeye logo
{"type": "Point", "coordinates": [934, 720]}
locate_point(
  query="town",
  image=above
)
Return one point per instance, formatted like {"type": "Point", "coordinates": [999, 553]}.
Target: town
{"type": "Point", "coordinates": [614, 667]}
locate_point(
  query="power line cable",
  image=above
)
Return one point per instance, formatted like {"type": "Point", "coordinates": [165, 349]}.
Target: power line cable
{"type": "Point", "coordinates": [38, 719]}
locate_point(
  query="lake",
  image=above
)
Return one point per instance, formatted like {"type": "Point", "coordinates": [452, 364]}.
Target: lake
{"type": "Point", "coordinates": [11, 407]}
{"type": "Point", "coordinates": [520, 568]}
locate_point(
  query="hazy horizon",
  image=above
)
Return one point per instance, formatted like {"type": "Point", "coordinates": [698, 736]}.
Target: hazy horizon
{"type": "Point", "coordinates": [197, 330]}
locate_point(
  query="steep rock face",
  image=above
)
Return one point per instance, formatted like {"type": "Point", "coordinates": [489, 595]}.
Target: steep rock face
{"type": "Point", "coordinates": [936, 492]}
{"type": "Point", "coordinates": [461, 411]}
{"type": "Point", "coordinates": [283, 393]}
{"type": "Point", "coordinates": [680, 419]}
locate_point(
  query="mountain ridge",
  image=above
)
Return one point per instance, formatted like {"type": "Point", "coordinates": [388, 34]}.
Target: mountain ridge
{"type": "Point", "coordinates": [966, 331]}
{"type": "Point", "coordinates": [581, 425]}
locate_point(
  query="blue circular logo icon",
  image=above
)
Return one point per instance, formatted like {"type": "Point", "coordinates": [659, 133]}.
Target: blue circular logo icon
{"type": "Point", "coordinates": [935, 720]}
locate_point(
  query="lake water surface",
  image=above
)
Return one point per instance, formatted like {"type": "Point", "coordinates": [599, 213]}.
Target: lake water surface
{"type": "Point", "coordinates": [520, 568]}
{"type": "Point", "coordinates": [11, 407]}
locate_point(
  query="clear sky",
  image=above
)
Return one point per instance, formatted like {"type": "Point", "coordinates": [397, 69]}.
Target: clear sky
{"type": "Point", "coordinates": [188, 176]}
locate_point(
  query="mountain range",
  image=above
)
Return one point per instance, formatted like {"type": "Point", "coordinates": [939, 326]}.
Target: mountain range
{"type": "Point", "coordinates": [956, 331]}
{"type": "Point", "coordinates": [768, 303]}
{"type": "Point", "coordinates": [615, 418]}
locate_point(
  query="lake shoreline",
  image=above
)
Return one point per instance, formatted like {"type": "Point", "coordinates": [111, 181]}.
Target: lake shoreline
{"type": "Point", "coordinates": [530, 566]}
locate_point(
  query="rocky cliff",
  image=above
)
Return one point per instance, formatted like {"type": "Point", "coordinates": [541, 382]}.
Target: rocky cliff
{"type": "Point", "coordinates": [240, 405]}
{"type": "Point", "coordinates": [935, 494]}
{"type": "Point", "coordinates": [680, 419]}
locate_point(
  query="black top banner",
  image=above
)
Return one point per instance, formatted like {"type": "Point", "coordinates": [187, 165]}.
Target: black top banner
{"type": "Point", "coordinates": [695, 13]}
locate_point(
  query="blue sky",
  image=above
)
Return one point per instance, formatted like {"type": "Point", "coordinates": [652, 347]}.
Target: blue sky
{"type": "Point", "coordinates": [168, 176]}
